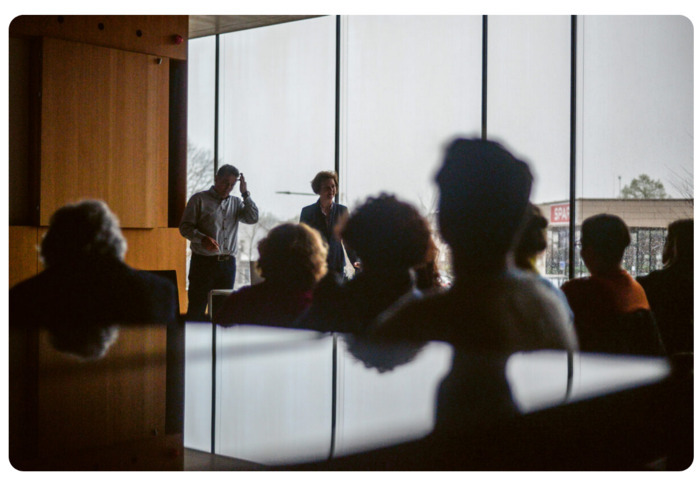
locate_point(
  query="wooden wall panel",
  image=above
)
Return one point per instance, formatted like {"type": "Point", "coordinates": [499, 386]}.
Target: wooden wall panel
{"type": "Point", "coordinates": [23, 253]}
{"type": "Point", "coordinates": [158, 249]}
{"type": "Point", "coordinates": [158, 32]}
{"type": "Point", "coordinates": [21, 103]}
{"type": "Point", "coordinates": [120, 397]}
{"type": "Point", "coordinates": [105, 131]}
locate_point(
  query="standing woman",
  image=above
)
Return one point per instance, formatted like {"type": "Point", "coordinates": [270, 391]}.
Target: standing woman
{"type": "Point", "coordinates": [324, 215]}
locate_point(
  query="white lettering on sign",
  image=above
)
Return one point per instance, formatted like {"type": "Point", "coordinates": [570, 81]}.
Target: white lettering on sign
{"type": "Point", "coordinates": [559, 213]}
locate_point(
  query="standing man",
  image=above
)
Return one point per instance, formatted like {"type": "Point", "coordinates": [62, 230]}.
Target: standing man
{"type": "Point", "coordinates": [210, 223]}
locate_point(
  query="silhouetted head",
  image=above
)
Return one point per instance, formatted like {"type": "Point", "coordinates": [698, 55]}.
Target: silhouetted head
{"type": "Point", "coordinates": [484, 192]}
{"type": "Point", "coordinates": [604, 238]}
{"type": "Point", "coordinates": [293, 253]}
{"type": "Point", "coordinates": [532, 238]}
{"type": "Point", "coordinates": [83, 231]}
{"type": "Point", "coordinates": [387, 234]}
{"type": "Point", "coordinates": [679, 243]}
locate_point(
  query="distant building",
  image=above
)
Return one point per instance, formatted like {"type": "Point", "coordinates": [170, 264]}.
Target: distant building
{"type": "Point", "coordinates": [647, 220]}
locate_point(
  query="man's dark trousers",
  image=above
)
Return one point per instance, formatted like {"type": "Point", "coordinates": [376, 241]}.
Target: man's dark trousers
{"type": "Point", "coordinates": [207, 273]}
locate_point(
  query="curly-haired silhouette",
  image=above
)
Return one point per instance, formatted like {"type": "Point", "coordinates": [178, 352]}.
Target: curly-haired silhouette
{"type": "Point", "coordinates": [292, 260]}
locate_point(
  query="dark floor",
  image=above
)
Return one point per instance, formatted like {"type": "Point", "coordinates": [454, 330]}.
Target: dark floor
{"type": "Point", "coordinates": [196, 460]}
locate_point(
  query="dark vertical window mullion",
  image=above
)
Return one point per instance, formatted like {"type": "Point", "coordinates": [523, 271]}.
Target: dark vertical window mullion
{"type": "Point", "coordinates": [213, 326]}
{"type": "Point", "coordinates": [337, 101]}
{"type": "Point", "coordinates": [572, 154]}
{"type": "Point", "coordinates": [334, 372]}
{"type": "Point", "coordinates": [484, 72]}
{"type": "Point", "coordinates": [572, 193]}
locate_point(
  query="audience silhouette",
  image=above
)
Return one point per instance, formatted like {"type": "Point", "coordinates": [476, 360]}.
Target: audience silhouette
{"type": "Point", "coordinates": [670, 290]}
{"type": "Point", "coordinates": [492, 309]}
{"type": "Point", "coordinates": [86, 290]}
{"type": "Point", "coordinates": [492, 306]}
{"type": "Point", "coordinates": [390, 237]}
{"type": "Point", "coordinates": [292, 260]}
{"type": "Point", "coordinates": [532, 241]}
{"type": "Point", "coordinates": [611, 311]}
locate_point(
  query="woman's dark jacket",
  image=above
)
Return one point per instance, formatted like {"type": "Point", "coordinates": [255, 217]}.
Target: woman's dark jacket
{"type": "Point", "coordinates": [314, 217]}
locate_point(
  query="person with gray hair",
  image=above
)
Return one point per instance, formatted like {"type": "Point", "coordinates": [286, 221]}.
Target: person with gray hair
{"type": "Point", "coordinates": [86, 290]}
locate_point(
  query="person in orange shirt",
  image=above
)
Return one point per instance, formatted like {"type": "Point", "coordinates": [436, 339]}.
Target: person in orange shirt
{"type": "Point", "coordinates": [605, 303]}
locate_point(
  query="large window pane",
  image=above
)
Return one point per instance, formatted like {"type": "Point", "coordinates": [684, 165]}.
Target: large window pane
{"type": "Point", "coordinates": [636, 120]}
{"type": "Point", "coordinates": [277, 125]}
{"type": "Point", "coordinates": [274, 401]}
{"type": "Point", "coordinates": [386, 396]}
{"type": "Point", "coordinates": [409, 85]}
{"type": "Point", "coordinates": [529, 92]}
{"type": "Point", "coordinates": [200, 175]}
{"type": "Point", "coordinates": [277, 119]}
{"type": "Point", "coordinates": [201, 65]}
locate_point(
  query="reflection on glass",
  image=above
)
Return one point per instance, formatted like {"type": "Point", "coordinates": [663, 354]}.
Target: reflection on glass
{"type": "Point", "coordinates": [275, 391]}
{"type": "Point", "coordinates": [198, 364]}
{"type": "Point", "coordinates": [599, 374]}
{"type": "Point", "coordinates": [537, 379]}
{"type": "Point", "coordinates": [274, 395]}
{"type": "Point", "coordinates": [381, 407]}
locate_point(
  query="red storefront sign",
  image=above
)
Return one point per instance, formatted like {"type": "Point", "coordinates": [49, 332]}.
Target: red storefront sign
{"type": "Point", "coordinates": [559, 213]}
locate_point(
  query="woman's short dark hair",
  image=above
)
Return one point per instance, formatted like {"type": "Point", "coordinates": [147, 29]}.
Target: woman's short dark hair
{"type": "Point", "coordinates": [293, 253]}
{"type": "Point", "coordinates": [320, 178]}
{"type": "Point", "coordinates": [81, 231]}
{"type": "Point", "coordinates": [388, 233]}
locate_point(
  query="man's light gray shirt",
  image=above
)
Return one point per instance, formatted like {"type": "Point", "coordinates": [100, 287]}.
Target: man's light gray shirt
{"type": "Point", "coordinates": [207, 214]}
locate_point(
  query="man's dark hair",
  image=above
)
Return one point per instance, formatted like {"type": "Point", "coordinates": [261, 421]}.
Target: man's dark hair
{"type": "Point", "coordinates": [607, 235]}
{"type": "Point", "coordinates": [679, 242]}
{"type": "Point", "coordinates": [227, 170]}
{"type": "Point", "coordinates": [484, 191]}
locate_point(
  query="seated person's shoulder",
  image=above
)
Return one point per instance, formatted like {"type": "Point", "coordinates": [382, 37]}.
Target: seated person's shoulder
{"type": "Point", "coordinates": [157, 294]}
{"type": "Point", "coordinates": [542, 309]}
{"type": "Point", "coordinates": [527, 285]}
{"type": "Point", "coordinates": [414, 319]}
{"type": "Point", "coordinates": [577, 285]}
{"type": "Point", "coordinates": [327, 305]}
{"type": "Point", "coordinates": [249, 304]}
